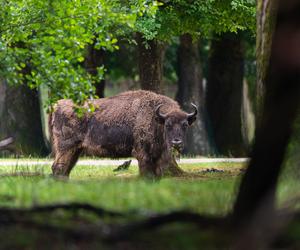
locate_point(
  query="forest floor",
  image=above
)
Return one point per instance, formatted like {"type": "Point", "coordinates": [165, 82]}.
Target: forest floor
{"type": "Point", "coordinates": [68, 214]}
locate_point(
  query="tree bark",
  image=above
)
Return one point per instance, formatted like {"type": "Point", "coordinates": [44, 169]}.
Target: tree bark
{"type": "Point", "coordinates": [281, 101]}
{"type": "Point", "coordinates": [224, 94]}
{"type": "Point", "coordinates": [21, 119]}
{"type": "Point", "coordinates": [190, 90]}
{"type": "Point", "coordinates": [94, 59]}
{"type": "Point", "coordinates": [43, 98]}
{"type": "Point", "coordinates": [150, 62]}
{"type": "Point", "coordinates": [265, 19]}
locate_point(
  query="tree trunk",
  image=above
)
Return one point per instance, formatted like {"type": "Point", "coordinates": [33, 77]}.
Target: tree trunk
{"type": "Point", "coordinates": [150, 61]}
{"type": "Point", "coordinates": [190, 90]}
{"type": "Point", "coordinates": [281, 101]}
{"type": "Point", "coordinates": [224, 94]}
{"type": "Point", "coordinates": [265, 19]}
{"type": "Point", "coordinates": [21, 119]}
{"type": "Point", "coordinates": [94, 59]}
{"type": "Point", "coordinates": [43, 98]}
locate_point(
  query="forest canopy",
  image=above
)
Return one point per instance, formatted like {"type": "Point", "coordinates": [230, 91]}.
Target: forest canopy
{"type": "Point", "coordinates": [46, 42]}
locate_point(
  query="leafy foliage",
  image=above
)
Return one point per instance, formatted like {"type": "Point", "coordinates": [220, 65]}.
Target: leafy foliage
{"type": "Point", "coordinates": [199, 18]}
{"type": "Point", "coordinates": [45, 42]}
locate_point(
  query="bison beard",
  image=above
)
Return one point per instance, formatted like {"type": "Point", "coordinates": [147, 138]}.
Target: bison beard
{"type": "Point", "coordinates": [140, 123]}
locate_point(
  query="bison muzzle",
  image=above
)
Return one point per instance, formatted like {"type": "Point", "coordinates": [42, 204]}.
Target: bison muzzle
{"type": "Point", "coordinates": [140, 123]}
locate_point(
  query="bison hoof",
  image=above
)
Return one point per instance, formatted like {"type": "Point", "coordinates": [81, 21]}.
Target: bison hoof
{"type": "Point", "coordinates": [174, 172]}
{"type": "Point", "coordinates": [59, 170]}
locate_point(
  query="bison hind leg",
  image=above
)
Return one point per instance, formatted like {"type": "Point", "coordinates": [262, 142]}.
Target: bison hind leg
{"type": "Point", "coordinates": [64, 162]}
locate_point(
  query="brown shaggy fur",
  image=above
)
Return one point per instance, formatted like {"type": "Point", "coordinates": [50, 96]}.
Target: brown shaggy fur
{"type": "Point", "coordinates": [121, 126]}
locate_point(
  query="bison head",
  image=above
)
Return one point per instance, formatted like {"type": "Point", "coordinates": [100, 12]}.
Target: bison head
{"type": "Point", "coordinates": [175, 125]}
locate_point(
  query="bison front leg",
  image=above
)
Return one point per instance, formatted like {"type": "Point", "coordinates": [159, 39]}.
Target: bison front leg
{"type": "Point", "coordinates": [169, 166]}
{"type": "Point", "coordinates": [64, 162]}
{"type": "Point", "coordinates": [173, 169]}
{"type": "Point", "coordinates": [148, 167]}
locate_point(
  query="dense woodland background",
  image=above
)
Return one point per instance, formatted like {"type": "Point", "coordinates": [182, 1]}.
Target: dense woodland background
{"type": "Point", "coordinates": [193, 51]}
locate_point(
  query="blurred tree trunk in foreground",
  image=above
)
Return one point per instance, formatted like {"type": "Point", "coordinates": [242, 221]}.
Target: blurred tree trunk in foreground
{"type": "Point", "coordinates": [150, 63]}
{"type": "Point", "coordinates": [94, 59]}
{"type": "Point", "coordinates": [20, 118]}
{"type": "Point", "coordinates": [190, 90]}
{"type": "Point", "coordinates": [281, 101]}
{"type": "Point", "coordinates": [225, 92]}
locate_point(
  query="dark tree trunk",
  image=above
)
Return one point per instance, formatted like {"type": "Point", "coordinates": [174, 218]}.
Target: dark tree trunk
{"type": "Point", "coordinates": [224, 94]}
{"type": "Point", "coordinates": [20, 118]}
{"type": "Point", "coordinates": [281, 100]}
{"type": "Point", "coordinates": [265, 19]}
{"type": "Point", "coordinates": [94, 59]}
{"type": "Point", "coordinates": [150, 61]}
{"type": "Point", "coordinates": [190, 89]}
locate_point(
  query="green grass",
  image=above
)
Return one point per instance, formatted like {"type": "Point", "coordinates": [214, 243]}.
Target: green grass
{"type": "Point", "coordinates": [206, 192]}
{"type": "Point", "coordinates": [210, 193]}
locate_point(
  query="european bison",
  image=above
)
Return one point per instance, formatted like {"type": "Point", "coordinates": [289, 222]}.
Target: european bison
{"type": "Point", "coordinates": [140, 123]}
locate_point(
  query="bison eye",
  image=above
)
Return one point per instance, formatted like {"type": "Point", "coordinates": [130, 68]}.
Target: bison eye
{"type": "Point", "coordinates": [168, 126]}
{"type": "Point", "coordinates": [185, 125]}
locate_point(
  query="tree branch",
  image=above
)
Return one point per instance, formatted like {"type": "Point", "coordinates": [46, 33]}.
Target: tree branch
{"type": "Point", "coordinates": [11, 213]}
{"type": "Point", "coordinates": [154, 222]}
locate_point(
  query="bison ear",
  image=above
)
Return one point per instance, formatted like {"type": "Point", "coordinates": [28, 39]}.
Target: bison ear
{"type": "Point", "coordinates": [191, 120]}
{"type": "Point", "coordinates": [160, 118]}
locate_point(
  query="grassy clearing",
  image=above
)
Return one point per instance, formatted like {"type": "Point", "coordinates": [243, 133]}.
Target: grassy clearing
{"type": "Point", "coordinates": [203, 191]}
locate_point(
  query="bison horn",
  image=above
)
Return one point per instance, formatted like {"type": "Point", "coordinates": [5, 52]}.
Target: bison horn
{"type": "Point", "coordinates": [195, 111]}
{"type": "Point", "coordinates": [160, 115]}
{"type": "Point", "coordinates": [192, 116]}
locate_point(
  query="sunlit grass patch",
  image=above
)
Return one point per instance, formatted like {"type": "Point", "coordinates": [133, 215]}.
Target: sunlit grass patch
{"type": "Point", "coordinates": [209, 188]}
{"type": "Point", "coordinates": [121, 191]}
{"type": "Point", "coordinates": [121, 194]}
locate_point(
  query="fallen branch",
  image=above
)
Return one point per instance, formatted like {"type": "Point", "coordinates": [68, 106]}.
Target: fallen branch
{"type": "Point", "coordinates": [14, 213]}
{"type": "Point", "coordinates": [153, 222]}
{"type": "Point", "coordinates": [107, 232]}
{"type": "Point", "coordinates": [114, 232]}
